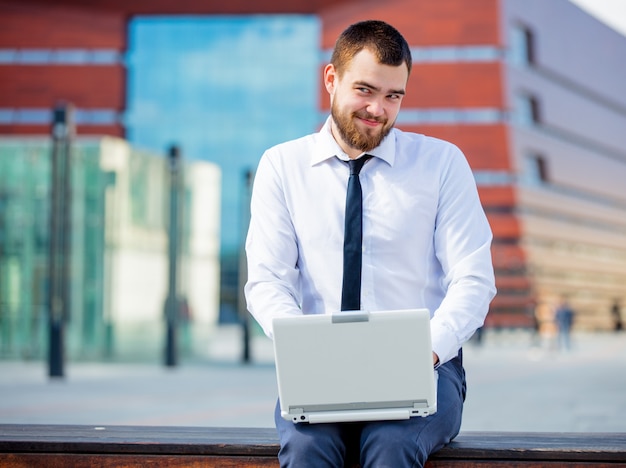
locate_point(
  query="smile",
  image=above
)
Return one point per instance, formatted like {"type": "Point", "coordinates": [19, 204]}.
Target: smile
{"type": "Point", "coordinates": [370, 121]}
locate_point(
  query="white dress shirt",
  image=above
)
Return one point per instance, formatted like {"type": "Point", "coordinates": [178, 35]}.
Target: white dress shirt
{"type": "Point", "coordinates": [426, 240]}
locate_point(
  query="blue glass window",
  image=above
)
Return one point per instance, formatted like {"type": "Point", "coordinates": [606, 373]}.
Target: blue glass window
{"type": "Point", "coordinates": [224, 89]}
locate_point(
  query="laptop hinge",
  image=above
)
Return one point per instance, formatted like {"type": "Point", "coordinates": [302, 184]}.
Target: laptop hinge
{"type": "Point", "coordinates": [347, 317]}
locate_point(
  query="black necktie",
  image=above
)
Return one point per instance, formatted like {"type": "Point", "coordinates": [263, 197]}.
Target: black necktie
{"type": "Point", "coordinates": [353, 239]}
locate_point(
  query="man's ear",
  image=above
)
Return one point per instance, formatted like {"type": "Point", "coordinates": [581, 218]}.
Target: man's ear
{"type": "Point", "coordinates": [330, 78]}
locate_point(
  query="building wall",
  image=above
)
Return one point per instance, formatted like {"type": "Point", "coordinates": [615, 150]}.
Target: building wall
{"type": "Point", "coordinates": [53, 52]}
{"type": "Point", "coordinates": [445, 22]}
{"type": "Point", "coordinates": [202, 7]}
{"type": "Point", "coordinates": [548, 173]}
{"type": "Point", "coordinates": [573, 212]}
{"type": "Point", "coordinates": [72, 50]}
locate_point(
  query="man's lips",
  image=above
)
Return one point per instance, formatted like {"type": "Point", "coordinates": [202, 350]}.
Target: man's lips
{"type": "Point", "coordinates": [369, 121]}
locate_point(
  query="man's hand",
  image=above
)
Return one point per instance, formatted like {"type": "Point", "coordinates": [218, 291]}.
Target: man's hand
{"type": "Point", "coordinates": [435, 359]}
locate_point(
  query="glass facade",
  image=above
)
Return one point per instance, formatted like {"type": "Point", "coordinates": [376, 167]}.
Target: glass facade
{"type": "Point", "coordinates": [224, 89]}
{"type": "Point", "coordinates": [118, 231]}
{"type": "Point", "coordinates": [24, 187]}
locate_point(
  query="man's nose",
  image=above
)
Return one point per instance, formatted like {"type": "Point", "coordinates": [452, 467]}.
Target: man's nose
{"type": "Point", "coordinates": [375, 107]}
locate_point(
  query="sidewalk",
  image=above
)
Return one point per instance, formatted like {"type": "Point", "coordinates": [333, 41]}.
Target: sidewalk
{"type": "Point", "coordinates": [512, 386]}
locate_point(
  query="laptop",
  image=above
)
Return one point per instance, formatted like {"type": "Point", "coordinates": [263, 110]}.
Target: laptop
{"type": "Point", "coordinates": [355, 366]}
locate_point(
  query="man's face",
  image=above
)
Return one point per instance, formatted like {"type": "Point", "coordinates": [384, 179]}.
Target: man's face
{"type": "Point", "coordinates": [365, 101]}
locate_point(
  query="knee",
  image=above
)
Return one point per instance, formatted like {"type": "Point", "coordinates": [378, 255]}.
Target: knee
{"type": "Point", "coordinates": [393, 445]}
{"type": "Point", "coordinates": [314, 449]}
{"type": "Point", "coordinates": [407, 443]}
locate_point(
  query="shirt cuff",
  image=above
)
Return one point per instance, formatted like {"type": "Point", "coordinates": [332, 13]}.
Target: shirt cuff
{"type": "Point", "coordinates": [444, 343]}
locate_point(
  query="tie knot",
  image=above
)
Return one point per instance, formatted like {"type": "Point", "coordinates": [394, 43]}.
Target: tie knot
{"type": "Point", "coordinates": [357, 164]}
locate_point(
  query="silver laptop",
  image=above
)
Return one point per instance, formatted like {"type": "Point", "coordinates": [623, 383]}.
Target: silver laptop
{"type": "Point", "coordinates": [355, 366]}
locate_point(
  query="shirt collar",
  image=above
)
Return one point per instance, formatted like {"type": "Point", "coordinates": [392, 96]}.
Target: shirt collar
{"type": "Point", "coordinates": [328, 148]}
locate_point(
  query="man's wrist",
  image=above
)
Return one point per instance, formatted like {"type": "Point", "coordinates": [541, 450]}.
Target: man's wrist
{"type": "Point", "coordinates": [435, 360]}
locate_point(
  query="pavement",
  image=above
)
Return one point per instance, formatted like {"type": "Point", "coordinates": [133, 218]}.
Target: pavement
{"type": "Point", "coordinates": [514, 384]}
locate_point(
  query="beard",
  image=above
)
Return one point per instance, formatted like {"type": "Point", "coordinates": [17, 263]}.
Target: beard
{"type": "Point", "coordinates": [362, 140]}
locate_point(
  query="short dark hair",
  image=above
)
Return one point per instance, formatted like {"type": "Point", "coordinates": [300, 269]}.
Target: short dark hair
{"type": "Point", "coordinates": [381, 38]}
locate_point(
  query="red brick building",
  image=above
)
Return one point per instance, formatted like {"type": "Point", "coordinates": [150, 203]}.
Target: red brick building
{"type": "Point", "coordinates": [496, 77]}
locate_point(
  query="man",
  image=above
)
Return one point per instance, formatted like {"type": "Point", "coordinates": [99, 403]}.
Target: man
{"type": "Point", "coordinates": [564, 318]}
{"type": "Point", "coordinates": [425, 242]}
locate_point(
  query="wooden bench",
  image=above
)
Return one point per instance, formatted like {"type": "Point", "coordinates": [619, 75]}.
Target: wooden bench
{"type": "Point", "coordinates": [53, 446]}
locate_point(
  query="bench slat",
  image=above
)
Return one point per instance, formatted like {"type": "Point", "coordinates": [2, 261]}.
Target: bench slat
{"type": "Point", "coordinates": [56, 460]}
{"type": "Point", "coordinates": [260, 445]}
{"type": "Point", "coordinates": [539, 445]}
{"type": "Point", "coordinates": [138, 439]}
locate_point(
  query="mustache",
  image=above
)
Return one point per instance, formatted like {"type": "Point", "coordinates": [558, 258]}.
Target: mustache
{"type": "Point", "coordinates": [368, 116]}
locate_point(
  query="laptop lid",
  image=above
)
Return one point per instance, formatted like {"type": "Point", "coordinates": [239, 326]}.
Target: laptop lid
{"type": "Point", "coordinates": [355, 366]}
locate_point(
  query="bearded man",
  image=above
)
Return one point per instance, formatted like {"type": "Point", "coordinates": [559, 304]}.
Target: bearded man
{"type": "Point", "coordinates": [424, 242]}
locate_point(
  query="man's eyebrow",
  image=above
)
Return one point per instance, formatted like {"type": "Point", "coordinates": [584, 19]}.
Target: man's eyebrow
{"type": "Point", "coordinates": [377, 89]}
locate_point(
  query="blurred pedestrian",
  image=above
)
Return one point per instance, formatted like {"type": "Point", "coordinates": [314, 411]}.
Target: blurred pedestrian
{"type": "Point", "coordinates": [564, 318]}
{"type": "Point", "coordinates": [617, 317]}
{"type": "Point", "coordinates": [535, 328]}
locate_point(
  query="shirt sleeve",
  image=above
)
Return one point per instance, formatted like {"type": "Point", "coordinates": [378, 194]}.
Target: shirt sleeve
{"type": "Point", "coordinates": [462, 241]}
{"type": "Point", "coordinates": [271, 249]}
